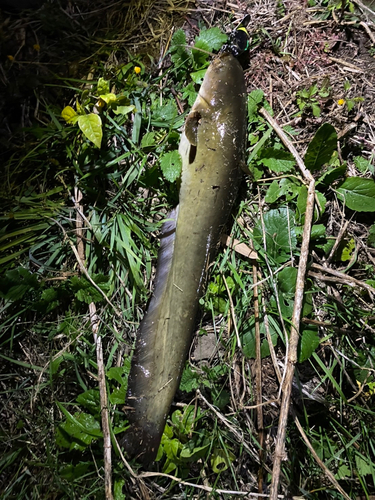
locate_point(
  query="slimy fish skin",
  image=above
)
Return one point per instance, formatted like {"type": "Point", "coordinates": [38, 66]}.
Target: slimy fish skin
{"type": "Point", "coordinates": [212, 148]}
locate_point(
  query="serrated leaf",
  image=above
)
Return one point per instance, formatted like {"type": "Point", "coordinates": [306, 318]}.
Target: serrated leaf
{"type": "Point", "coordinates": [254, 99]}
{"type": "Point", "coordinates": [309, 341]}
{"type": "Point", "coordinates": [189, 93]}
{"type": "Point", "coordinates": [165, 113]}
{"type": "Point", "coordinates": [362, 164]}
{"type": "Point", "coordinates": [358, 194]}
{"type": "Point", "coordinates": [69, 115]}
{"type": "Point", "coordinates": [148, 140]}
{"type": "Point", "coordinates": [49, 294]}
{"type": "Point", "coordinates": [283, 187]}
{"type": "Point", "coordinates": [363, 466]}
{"type": "Point", "coordinates": [212, 38]}
{"type": "Point", "coordinates": [103, 87]}
{"type": "Point", "coordinates": [190, 380]}
{"type": "Point", "coordinates": [171, 165]}
{"type": "Point", "coordinates": [342, 472]}
{"type": "Point", "coordinates": [346, 252]}
{"type": "Point", "coordinates": [321, 148]}
{"type": "Point", "coordinates": [180, 56]}
{"type": "Point", "coordinates": [91, 127]}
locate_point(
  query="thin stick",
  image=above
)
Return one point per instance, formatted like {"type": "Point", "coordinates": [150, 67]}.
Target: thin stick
{"type": "Point", "coordinates": [232, 311]}
{"type": "Point", "coordinates": [326, 471]}
{"type": "Point", "coordinates": [348, 279]}
{"type": "Point", "coordinates": [94, 320]}
{"type": "Point", "coordinates": [258, 380]}
{"type": "Point", "coordinates": [248, 494]}
{"type": "Point", "coordinates": [297, 309]}
{"type": "Point", "coordinates": [103, 405]}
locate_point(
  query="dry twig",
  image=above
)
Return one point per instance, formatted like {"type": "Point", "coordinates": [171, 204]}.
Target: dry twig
{"type": "Point", "coordinates": [298, 300]}
{"type": "Point", "coordinates": [94, 320]}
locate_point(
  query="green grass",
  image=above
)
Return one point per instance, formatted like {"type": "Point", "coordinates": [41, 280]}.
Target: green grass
{"type": "Point", "coordinates": [50, 431]}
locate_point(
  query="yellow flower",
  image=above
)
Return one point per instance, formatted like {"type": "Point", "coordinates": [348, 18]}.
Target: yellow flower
{"type": "Point", "coordinates": [341, 102]}
{"type": "Point", "coordinates": [137, 70]}
{"type": "Point", "coordinates": [11, 58]}
{"type": "Point", "coordinates": [36, 47]}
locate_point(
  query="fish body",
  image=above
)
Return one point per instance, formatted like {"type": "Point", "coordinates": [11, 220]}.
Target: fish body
{"type": "Point", "coordinates": [212, 151]}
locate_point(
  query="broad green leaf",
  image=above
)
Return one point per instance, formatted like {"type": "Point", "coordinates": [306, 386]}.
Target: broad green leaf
{"type": "Point", "coordinates": [283, 187]}
{"type": "Point", "coordinates": [358, 194]}
{"type": "Point", "coordinates": [78, 431]}
{"type": "Point", "coordinates": [347, 251]}
{"type": "Point", "coordinates": [280, 234]}
{"type": "Point", "coordinates": [221, 460]}
{"type": "Point", "coordinates": [190, 380]}
{"type": "Point", "coordinates": [309, 341]}
{"type": "Point", "coordinates": [286, 284]}
{"type": "Point", "coordinates": [277, 160]}
{"type": "Point", "coordinates": [247, 336]}
{"type": "Point", "coordinates": [171, 165]}
{"type": "Point", "coordinates": [103, 87]}
{"type": "Point", "coordinates": [212, 38]}
{"type": "Point", "coordinates": [363, 165]}
{"type": "Point", "coordinates": [124, 110]}
{"type": "Point", "coordinates": [90, 400]}
{"type": "Point", "coordinates": [148, 140]}
{"type": "Point", "coordinates": [117, 489]}
{"type": "Point", "coordinates": [315, 109]}
{"type": "Point", "coordinates": [189, 93]}
{"type": "Point", "coordinates": [166, 112]}
{"type": "Point", "coordinates": [108, 98]}
{"type": "Point", "coordinates": [301, 205]}
{"type": "Point", "coordinates": [371, 236]}
{"type": "Point", "coordinates": [363, 466]}
{"type": "Point", "coordinates": [331, 175]}
{"type": "Point", "coordinates": [72, 472]}
{"type": "Point", "coordinates": [254, 99]}
{"type": "Point", "coordinates": [208, 40]}
{"type": "Point", "coordinates": [321, 147]}
{"type": "Point", "coordinates": [91, 126]}
{"type": "Point", "coordinates": [118, 395]}
{"type": "Point", "coordinates": [119, 373]}
{"type": "Point", "coordinates": [191, 453]}
{"type": "Point", "coordinates": [69, 115]}
{"type": "Point", "coordinates": [342, 472]}
{"type": "Point", "coordinates": [317, 231]}
{"type": "Point", "coordinates": [197, 76]}
{"type": "Point", "coordinates": [180, 56]}
{"type": "Point", "coordinates": [171, 447]}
